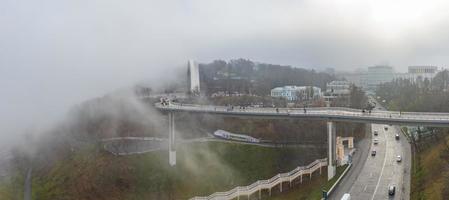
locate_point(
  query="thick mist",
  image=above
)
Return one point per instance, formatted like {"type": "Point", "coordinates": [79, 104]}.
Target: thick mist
{"type": "Point", "coordinates": [54, 54]}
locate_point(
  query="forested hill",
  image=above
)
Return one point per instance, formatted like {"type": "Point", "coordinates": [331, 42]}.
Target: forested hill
{"type": "Point", "coordinates": [421, 95]}
{"type": "Point", "coordinates": [246, 76]}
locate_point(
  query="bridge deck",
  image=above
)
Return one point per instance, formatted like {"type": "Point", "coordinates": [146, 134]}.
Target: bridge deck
{"type": "Point", "coordinates": [323, 113]}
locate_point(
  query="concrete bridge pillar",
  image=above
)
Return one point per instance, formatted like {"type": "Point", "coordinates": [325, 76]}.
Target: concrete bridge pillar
{"type": "Point", "coordinates": [171, 139]}
{"type": "Point", "coordinates": [331, 137]}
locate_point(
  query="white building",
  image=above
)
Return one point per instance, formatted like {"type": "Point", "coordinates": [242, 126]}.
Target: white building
{"type": "Point", "coordinates": [422, 73]}
{"type": "Point", "coordinates": [338, 88]}
{"type": "Point", "coordinates": [293, 93]}
{"type": "Point", "coordinates": [377, 75]}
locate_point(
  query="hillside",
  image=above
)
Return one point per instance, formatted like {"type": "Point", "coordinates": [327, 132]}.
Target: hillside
{"type": "Point", "coordinates": [202, 168]}
{"type": "Point", "coordinates": [430, 163]}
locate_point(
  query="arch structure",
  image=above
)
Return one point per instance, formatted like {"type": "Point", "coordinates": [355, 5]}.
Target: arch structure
{"type": "Point", "coordinates": [342, 158]}
{"type": "Point", "coordinates": [193, 77]}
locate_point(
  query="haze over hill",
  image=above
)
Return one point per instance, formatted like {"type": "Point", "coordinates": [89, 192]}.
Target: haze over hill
{"type": "Point", "coordinates": [54, 54]}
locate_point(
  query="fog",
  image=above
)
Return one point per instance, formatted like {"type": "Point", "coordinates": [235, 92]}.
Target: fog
{"type": "Point", "coordinates": [54, 54]}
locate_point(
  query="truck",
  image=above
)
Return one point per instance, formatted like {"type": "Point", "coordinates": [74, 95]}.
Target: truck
{"type": "Point", "coordinates": [346, 196]}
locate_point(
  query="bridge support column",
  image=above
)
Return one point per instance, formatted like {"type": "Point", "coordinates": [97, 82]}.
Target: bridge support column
{"type": "Point", "coordinates": [331, 137]}
{"type": "Point", "coordinates": [320, 168]}
{"type": "Point", "coordinates": [171, 139]}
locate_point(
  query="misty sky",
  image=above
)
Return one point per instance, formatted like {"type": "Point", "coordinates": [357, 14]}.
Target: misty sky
{"type": "Point", "coordinates": [56, 53]}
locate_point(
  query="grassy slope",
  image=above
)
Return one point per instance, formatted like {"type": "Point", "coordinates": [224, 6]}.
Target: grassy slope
{"type": "Point", "coordinates": [428, 182]}
{"type": "Point", "coordinates": [311, 190]}
{"type": "Point", "coordinates": [202, 168]}
{"type": "Point", "coordinates": [11, 189]}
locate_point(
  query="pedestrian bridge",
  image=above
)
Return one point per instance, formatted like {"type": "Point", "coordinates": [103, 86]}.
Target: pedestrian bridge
{"type": "Point", "coordinates": [320, 113]}
{"type": "Point", "coordinates": [329, 114]}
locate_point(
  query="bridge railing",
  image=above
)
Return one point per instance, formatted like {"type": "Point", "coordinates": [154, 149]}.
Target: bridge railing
{"type": "Point", "coordinates": [266, 184]}
{"type": "Point", "coordinates": [328, 111]}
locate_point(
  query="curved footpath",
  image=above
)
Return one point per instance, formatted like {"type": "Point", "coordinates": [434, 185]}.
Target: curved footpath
{"type": "Point", "coordinates": [123, 146]}
{"type": "Point", "coordinates": [27, 189]}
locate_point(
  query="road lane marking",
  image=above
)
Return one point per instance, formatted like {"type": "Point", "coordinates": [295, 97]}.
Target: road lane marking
{"type": "Point", "coordinates": [383, 166]}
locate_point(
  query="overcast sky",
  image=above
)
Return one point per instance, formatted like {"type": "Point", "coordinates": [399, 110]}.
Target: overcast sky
{"type": "Point", "coordinates": [56, 53]}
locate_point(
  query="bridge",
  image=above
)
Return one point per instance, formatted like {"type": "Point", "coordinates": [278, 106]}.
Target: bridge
{"type": "Point", "coordinates": [329, 114]}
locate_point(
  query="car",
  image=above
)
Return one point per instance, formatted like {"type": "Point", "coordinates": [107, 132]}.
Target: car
{"type": "Point", "coordinates": [373, 153]}
{"type": "Point", "coordinates": [396, 136]}
{"type": "Point", "coordinates": [391, 190]}
{"type": "Point", "coordinates": [346, 196]}
{"type": "Point", "coordinates": [376, 141]}
{"type": "Point", "coordinates": [398, 158]}
{"type": "Point", "coordinates": [376, 133]}
{"type": "Point", "coordinates": [386, 128]}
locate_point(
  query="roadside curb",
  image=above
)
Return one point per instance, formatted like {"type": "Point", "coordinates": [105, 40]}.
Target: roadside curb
{"type": "Point", "coordinates": [338, 180]}
{"type": "Point", "coordinates": [406, 135]}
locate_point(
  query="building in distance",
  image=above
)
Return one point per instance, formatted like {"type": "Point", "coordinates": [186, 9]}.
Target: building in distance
{"type": "Point", "coordinates": [377, 75]}
{"type": "Point", "coordinates": [419, 73]}
{"type": "Point", "coordinates": [294, 93]}
{"type": "Point", "coordinates": [337, 89]}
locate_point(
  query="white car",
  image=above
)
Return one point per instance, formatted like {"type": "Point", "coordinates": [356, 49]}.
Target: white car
{"type": "Point", "coordinates": [376, 141]}
{"type": "Point", "coordinates": [398, 158]}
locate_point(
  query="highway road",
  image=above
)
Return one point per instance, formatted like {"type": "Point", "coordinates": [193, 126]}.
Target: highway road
{"type": "Point", "coordinates": [369, 179]}
{"type": "Point", "coordinates": [380, 171]}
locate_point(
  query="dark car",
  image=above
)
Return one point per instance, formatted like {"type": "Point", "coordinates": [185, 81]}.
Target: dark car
{"type": "Point", "coordinates": [396, 136]}
{"type": "Point", "coordinates": [391, 190]}
{"type": "Point", "coordinates": [373, 153]}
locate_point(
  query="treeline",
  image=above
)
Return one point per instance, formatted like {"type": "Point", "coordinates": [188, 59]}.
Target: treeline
{"type": "Point", "coordinates": [430, 169]}
{"type": "Point", "coordinates": [248, 77]}
{"type": "Point", "coordinates": [420, 95]}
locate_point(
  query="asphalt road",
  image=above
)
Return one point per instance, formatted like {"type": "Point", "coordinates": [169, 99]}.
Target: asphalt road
{"type": "Point", "coordinates": [382, 170]}
{"type": "Point", "coordinates": [358, 162]}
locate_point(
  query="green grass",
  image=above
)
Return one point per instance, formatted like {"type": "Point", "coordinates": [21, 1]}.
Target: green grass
{"type": "Point", "coordinates": [12, 187]}
{"type": "Point", "coordinates": [202, 169]}
{"type": "Point", "coordinates": [428, 172]}
{"type": "Point", "coordinates": [311, 189]}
